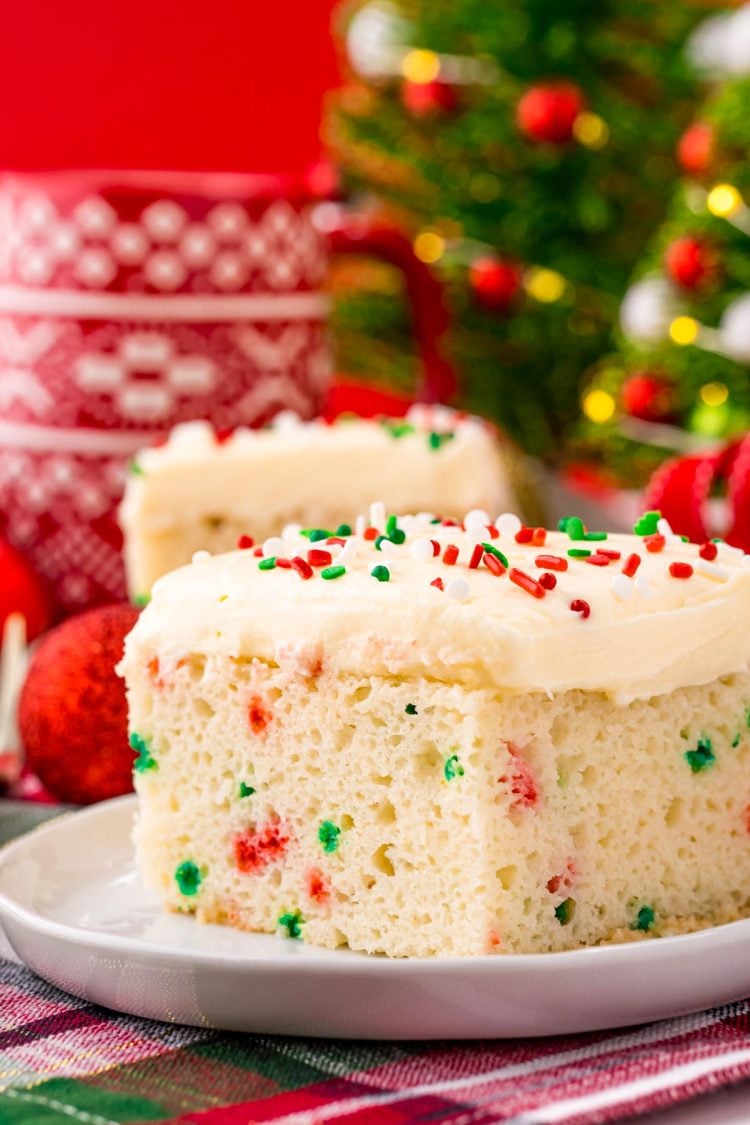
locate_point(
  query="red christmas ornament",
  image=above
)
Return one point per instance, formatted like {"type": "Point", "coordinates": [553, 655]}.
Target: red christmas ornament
{"type": "Point", "coordinates": [690, 263]}
{"type": "Point", "coordinates": [21, 591]}
{"type": "Point", "coordinates": [495, 281]}
{"type": "Point", "coordinates": [547, 112]}
{"type": "Point", "coordinates": [648, 397]}
{"type": "Point", "coordinates": [696, 148]}
{"type": "Point", "coordinates": [72, 714]}
{"type": "Point", "coordinates": [423, 99]}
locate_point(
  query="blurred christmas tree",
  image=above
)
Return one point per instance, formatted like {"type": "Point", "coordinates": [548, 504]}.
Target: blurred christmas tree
{"type": "Point", "coordinates": [529, 147]}
{"type": "Point", "coordinates": [682, 374]}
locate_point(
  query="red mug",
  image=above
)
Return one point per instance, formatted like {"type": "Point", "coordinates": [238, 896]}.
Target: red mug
{"type": "Point", "coordinates": [130, 302]}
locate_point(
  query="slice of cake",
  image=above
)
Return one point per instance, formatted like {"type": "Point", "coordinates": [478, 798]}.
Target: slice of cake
{"type": "Point", "coordinates": [198, 492]}
{"type": "Point", "coordinates": [421, 740]}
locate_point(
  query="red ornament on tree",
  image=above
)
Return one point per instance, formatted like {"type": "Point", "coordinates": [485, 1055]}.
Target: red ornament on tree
{"type": "Point", "coordinates": [547, 112]}
{"type": "Point", "coordinates": [696, 148]}
{"type": "Point", "coordinates": [72, 714]}
{"type": "Point", "coordinates": [423, 99]}
{"type": "Point", "coordinates": [21, 591]}
{"type": "Point", "coordinates": [690, 263]}
{"type": "Point", "coordinates": [495, 282]}
{"type": "Point", "coordinates": [648, 397]}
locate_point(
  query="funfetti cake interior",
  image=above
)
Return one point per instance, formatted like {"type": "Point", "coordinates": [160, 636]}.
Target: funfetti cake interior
{"type": "Point", "coordinates": [201, 492]}
{"type": "Point", "coordinates": [420, 740]}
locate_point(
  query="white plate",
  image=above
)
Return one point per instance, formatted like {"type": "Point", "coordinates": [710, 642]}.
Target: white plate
{"type": "Point", "coordinates": [75, 911]}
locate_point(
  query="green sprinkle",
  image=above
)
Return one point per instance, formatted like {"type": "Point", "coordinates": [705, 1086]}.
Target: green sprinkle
{"type": "Point", "coordinates": [328, 836]}
{"type": "Point", "coordinates": [702, 757]}
{"type": "Point", "coordinates": [398, 536]}
{"type": "Point", "coordinates": [685, 538]}
{"type": "Point", "coordinates": [319, 533]}
{"type": "Point", "coordinates": [410, 709]}
{"type": "Point", "coordinates": [574, 528]}
{"type": "Point", "coordinates": [329, 572]}
{"type": "Point", "coordinates": [644, 919]}
{"type": "Point", "coordinates": [292, 923]}
{"type": "Point", "coordinates": [379, 540]}
{"type": "Point", "coordinates": [391, 525]}
{"type": "Point", "coordinates": [491, 550]}
{"type": "Point", "coordinates": [135, 469]}
{"type": "Point", "coordinates": [717, 540]}
{"type": "Point", "coordinates": [595, 536]}
{"type": "Point", "coordinates": [145, 760]}
{"type": "Point", "coordinates": [563, 523]}
{"type": "Point", "coordinates": [578, 552]}
{"type": "Point", "coordinates": [452, 768]}
{"type": "Point", "coordinates": [436, 441]}
{"type": "Point", "coordinates": [267, 564]}
{"type": "Point", "coordinates": [343, 529]}
{"type": "Point", "coordinates": [736, 740]}
{"type": "Point", "coordinates": [564, 912]}
{"type": "Point", "coordinates": [140, 600]}
{"type": "Point", "coordinates": [647, 524]}
{"type": "Point", "coordinates": [188, 878]}
{"type": "Point", "coordinates": [246, 790]}
{"type": "Point", "coordinates": [382, 573]}
{"type": "Point", "coordinates": [398, 429]}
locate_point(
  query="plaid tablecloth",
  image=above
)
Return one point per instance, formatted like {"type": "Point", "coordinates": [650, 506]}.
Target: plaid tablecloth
{"type": "Point", "coordinates": [63, 1060]}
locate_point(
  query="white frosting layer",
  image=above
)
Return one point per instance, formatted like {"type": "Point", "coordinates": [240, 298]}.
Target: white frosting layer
{"type": "Point", "coordinates": [642, 637]}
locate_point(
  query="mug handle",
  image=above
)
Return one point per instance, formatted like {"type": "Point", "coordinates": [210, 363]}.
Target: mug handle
{"type": "Point", "coordinates": [358, 234]}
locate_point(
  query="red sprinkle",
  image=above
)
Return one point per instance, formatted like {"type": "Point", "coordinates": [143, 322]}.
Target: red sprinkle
{"type": "Point", "coordinates": [632, 562]}
{"type": "Point", "coordinates": [438, 583]}
{"type": "Point", "coordinates": [493, 564]}
{"type": "Point", "coordinates": [258, 552]}
{"type": "Point", "coordinates": [708, 551]}
{"type": "Point", "coordinates": [597, 559]}
{"type": "Point", "coordinates": [578, 605]}
{"type": "Point", "coordinates": [371, 533]}
{"type": "Point", "coordinates": [335, 539]}
{"type": "Point", "coordinates": [449, 523]}
{"type": "Point", "coordinates": [284, 564]}
{"type": "Point", "coordinates": [680, 570]}
{"type": "Point", "coordinates": [547, 580]}
{"type": "Point", "coordinates": [245, 542]}
{"type": "Point", "coordinates": [613, 556]}
{"type": "Point", "coordinates": [565, 879]}
{"type": "Point", "coordinates": [435, 548]}
{"type": "Point", "coordinates": [492, 531]}
{"type": "Point", "coordinates": [523, 784]}
{"type": "Point", "coordinates": [258, 715]}
{"type": "Point", "coordinates": [255, 850]}
{"type": "Point", "coordinates": [527, 583]}
{"type": "Point", "coordinates": [450, 554]}
{"type": "Point", "coordinates": [318, 887]}
{"type": "Point", "coordinates": [303, 568]}
{"type": "Point", "coordinates": [654, 543]}
{"type": "Point", "coordinates": [525, 535]}
{"type": "Point", "coordinates": [551, 562]}
{"type": "Point", "coordinates": [539, 538]}
{"type": "Point", "coordinates": [316, 557]}
{"type": "Point", "coordinates": [476, 556]}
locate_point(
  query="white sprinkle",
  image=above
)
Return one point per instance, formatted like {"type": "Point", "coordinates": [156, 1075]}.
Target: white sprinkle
{"type": "Point", "coordinates": [390, 549]}
{"type": "Point", "coordinates": [201, 556]}
{"type": "Point", "coordinates": [377, 515]}
{"type": "Point", "coordinates": [348, 551]}
{"type": "Point", "coordinates": [459, 589]}
{"type": "Point", "coordinates": [421, 550]}
{"type": "Point", "coordinates": [664, 528]}
{"type": "Point", "coordinates": [359, 526]}
{"type": "Point", "coordinates": [643, 586]}
{"type": "Point", "coordinates": [711, 570]}
{"type": "Point", "coordinates": [291, 531]}
{"type": "Point", "coordinates": [508, 524]}
{"type": "Point", "coordinates": [476, 519]}
{"type": "Point", "coordinates": [622, 587]}
{"type": "Point", "coordinates": [273, 546]}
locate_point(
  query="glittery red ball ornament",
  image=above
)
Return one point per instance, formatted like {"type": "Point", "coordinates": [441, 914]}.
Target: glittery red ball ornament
{"type": "Point", "coordinates": [21, 591]}
{"type": "Point", "coordinates": [696, 148]}
{"type": "Point", "coordinates": [423, 99]}
{"type": "Point", "coordinates": [648, 397]}
{"type": "Point", "coordinates": [547, 112]}
{"type": "Point", "coordinates": [691, 263]}
{"type": "Point", "coordinates": [72, 714]}
{"type": "Point", "coordinates": [495, 282]}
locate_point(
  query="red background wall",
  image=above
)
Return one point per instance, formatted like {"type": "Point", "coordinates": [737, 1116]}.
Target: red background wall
{"type": "Point", "coordinates": [204, 84]}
